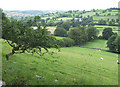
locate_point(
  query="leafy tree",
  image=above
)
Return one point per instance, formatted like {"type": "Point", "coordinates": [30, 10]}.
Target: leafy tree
{"type": "Point", "coordinates": [66, 25]}
{"type": "Point", "coordinates": [108, 14]}
{"type": "Point", "coordinates": [92, 33]}
{"type": "Point", "coordinates": [107, 33]}
{"type": "Point", "coordinates": [111, 23]}
{"type": "Point", "coordinates": [117, 20]}
{"type": "Point", "coordinates": [66, 42]}
{"type": "Point", "coordinates": [60, 31]}
{"type": "Point", "coordinates": [86, 21]}
{"type": "Point", "coordinates": [97, 14]}
{"type": "Point", "coordinates": [42, 22]}
{"type": "Point", "coordinates": [78, 35]}
{"type": "Point", "coordinates": [114, 43]}
{"type": "Point", "coordinates": [22, 37]}
{"type": "Point", "coordinates": [94, 10]}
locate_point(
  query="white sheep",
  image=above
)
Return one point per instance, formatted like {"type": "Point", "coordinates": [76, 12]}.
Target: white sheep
{"type": "Point", "coordinates": [101, 58]}
{"type": "Point", "coordinates": [117, 62]}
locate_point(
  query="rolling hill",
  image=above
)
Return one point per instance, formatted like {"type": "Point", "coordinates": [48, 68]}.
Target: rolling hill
{"type": "Point", "coordinates": [71, 66]}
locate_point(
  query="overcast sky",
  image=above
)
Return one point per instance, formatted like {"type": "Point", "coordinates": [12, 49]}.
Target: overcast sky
{"type": "Point", "coordinates": [57, 4]}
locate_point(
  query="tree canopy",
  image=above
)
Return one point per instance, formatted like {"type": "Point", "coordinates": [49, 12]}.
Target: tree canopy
{"type": "Point", "coordinates": [22, 37]}
{"type": "Point", "coordinates": [107, 33]}
{"type": "Point", "coordinates": [60, 31]}
{"type": "Point", "coordinates": [78, 35]}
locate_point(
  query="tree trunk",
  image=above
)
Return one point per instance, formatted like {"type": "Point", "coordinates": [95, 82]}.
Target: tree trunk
{"type": "Point", "coordinates": [13, 52]}
{"type": "Point", "coordinates": [7, 56]}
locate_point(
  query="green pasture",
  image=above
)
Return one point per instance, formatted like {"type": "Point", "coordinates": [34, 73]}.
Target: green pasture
{"type": "Point", "coordinates": [64, 18]}
{"type": "Point", "coordinates": [97, 44]}
{"type": "Point", "coordinates": [70, 66]}
{"type": "Point", "coordinates": [96, 18]}
{"type": "Point", "coordinates": [102, 27]}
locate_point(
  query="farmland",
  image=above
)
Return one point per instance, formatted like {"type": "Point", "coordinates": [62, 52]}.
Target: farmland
{"type": "Point", "coordinates": [76, 63]}
{"type": "Point", "coordinates": [102, 27]}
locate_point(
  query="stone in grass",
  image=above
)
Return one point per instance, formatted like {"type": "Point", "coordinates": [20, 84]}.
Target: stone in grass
{"type": "Point", "coordinates": [38, 76]}
{"type": "Point", "coordinates": [56, 80]}
{"type": "Point", "coordinates": [2, 83]}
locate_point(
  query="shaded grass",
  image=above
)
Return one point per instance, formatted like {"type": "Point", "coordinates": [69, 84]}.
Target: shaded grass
{"type": "Point", "coordinates": [97, 44]}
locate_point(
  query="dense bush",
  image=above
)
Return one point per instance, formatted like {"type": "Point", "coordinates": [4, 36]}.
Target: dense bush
{"type": "Point", "coordinates": [60, 31]}
{"type": "Point", "coordinates": [107, 33]}
{"type": "Point", "coordinates": [66, 25]}
{"type": "Point", "coordinates": [114, 43]}
{"type": "Point", "coordinates": [78, 34]}
{"type": "Point", "coordinates": [66, 42]}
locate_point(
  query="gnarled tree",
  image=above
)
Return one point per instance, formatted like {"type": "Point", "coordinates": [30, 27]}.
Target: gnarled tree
{"type": "Point", "coordinates": [22, 37]}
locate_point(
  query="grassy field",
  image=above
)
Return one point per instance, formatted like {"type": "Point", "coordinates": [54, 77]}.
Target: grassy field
{"type": "Point", "coordinates": [96, 18]}
{"type": "Point", "coordinates": [88, 13]}
{"type": "Point", "coordinates": [96, 44]}
{"type": "Point", "coordinates": [102, 27]}
{"type": "Point", "coordinates": [51, 29]}
{"type": "Point", "coordinates": [71, 66]}
{"type": "Point", "coordinates": [64, 18]}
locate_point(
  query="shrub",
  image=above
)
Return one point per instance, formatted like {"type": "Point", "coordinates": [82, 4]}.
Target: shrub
{"type": "Point", "coordinates": [66, 42]}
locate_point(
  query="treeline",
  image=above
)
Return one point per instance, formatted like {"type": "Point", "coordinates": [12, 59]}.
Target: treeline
{"type": "Point", "coordinates": [113, 42]}
{"type": "Point", "coordinates": [76, 35]}
{"type": "Point", "coordinates": [79, 35]}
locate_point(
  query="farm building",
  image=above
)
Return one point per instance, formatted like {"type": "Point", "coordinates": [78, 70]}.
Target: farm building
{"type": "Point", "coordinates": [75, 19]}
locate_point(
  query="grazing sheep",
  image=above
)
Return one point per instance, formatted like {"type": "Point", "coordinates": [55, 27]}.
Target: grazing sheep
{"type": "Point", "coordinates": [117, 62]}
{"type": "Point", "coordinates": [101, 58]}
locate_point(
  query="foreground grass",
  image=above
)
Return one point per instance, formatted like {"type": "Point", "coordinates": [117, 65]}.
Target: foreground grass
{"type": "Point", "coordinates": [71, 66]}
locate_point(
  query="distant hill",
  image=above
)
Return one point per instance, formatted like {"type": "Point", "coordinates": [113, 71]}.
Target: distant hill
{"type": "Point", "coordinates": [29, 12]}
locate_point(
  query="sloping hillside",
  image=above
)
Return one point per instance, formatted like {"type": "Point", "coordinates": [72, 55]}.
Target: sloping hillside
{"type": "Point", "coordinates": [71, 66]}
